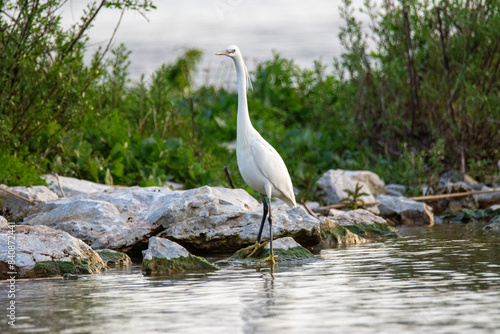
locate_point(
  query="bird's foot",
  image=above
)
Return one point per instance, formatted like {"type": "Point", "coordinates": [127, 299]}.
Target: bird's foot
{"type": "Point", "coordinates": [270, 258]}
{"type": "Point", "coordinates": [253, 249]}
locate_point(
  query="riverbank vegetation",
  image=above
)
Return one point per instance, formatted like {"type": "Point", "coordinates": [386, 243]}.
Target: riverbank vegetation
{"type": "Point", "coordinates": [423, 99]}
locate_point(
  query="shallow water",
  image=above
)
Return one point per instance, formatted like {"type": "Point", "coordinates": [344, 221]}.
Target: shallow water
{"type": "Point", "coordinates": [441, 279]}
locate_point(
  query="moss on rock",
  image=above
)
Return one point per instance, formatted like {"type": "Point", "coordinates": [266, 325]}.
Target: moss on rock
{"type": "Point", "coordinates": [113, 258]}
{"type": "Point", "coordinates": [59, 268]}
{"type": "Point", "coordinates": [332, 233]}
{"type": "Point", "coordinates": [288, 255]}
{"type": "Point", "coordinates": [161, 266]}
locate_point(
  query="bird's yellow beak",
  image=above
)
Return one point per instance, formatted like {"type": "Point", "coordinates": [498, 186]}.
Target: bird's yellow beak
{"type": "Point", "coordinates": [222, 53]}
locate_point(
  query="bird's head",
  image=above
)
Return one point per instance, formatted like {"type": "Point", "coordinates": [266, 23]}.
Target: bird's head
{"type": "Point", "coordinates": [231, 51]}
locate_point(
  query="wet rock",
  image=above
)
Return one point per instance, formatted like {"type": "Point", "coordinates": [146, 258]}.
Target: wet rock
{"type": "Point", "coordinates": [165, 257]}
{"type": "Point", "coordinates": [16, 208]}
{"type": "Point", "coordinates": [494, 225]}
{"type": "Point", "coordinates": [332, 185]}
{"type": "Point", "coordinates": [352, 227]}
{"type": "Point", "coordinates": [404, 211]}
{"type": "Point", "coordinates": [113, 258]}
{"type": "Point", "coordinates": [41, 251]}
{"type": "Point", "coordinates": [288, 250]}
{"type": "Point", "coordinates": [395, 189]}
{"type": "Point", "coordinates": [224, 231]}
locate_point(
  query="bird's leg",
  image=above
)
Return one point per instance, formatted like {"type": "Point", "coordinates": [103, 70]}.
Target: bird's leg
{"type": "Point", "coordinates": [271, 256]}
{"type": "Point", "coordinates": [254, 248]}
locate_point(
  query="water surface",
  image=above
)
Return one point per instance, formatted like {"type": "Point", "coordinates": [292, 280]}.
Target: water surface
{"type": "Point", "coordinates": [441, 279]}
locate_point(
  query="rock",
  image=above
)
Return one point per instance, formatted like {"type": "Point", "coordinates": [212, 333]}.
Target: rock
{"type": "Point", "coordinates": [372, 181]}
{"type": "Point", "coordinates": [41, 251]}
{"type": "Point", "coordinates": [16, 208]}
{"type": "Point", "coordinates": [165, 257]}
{"type": "Point", "coordinates": [70, 277]}
{"type": "Point", "coordinates": [227, 230]}
{"type": "Point", "coordinates": [127, 217]}
{"type": "Point", "coordinates": [395, 189]}
{"type": "Point", "coordinates": [404, 211]}
{"type": "Point", "coordinates": [74, 187]}
{"type": "Point", "coordinates": [332, 185]}
{"type": "Point", "coordinates": [113, 258]}
{"type": "Point", "coordinates": [488, 199]}
{"type": "Point", "coordinates": [494, 225]}
{"type": "Point", "coordinates": [3, 222]}
{"type": "Point", "coordinates": [288, 250]}
{"type": "Point", "coordinates": [352, 227]}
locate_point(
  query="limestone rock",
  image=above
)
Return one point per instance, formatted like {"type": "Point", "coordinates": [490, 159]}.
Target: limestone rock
{"type": "Point", "coordinates": [74, 187]}
{"type": "Point", "coordinates": [42, 251]}
{"type": "Point", "coordinates": [113, 258]}
{"type": "Point", "coordinates": [165, 257]}
{"type": "Point", "coordinates": [372, 181]}
{"type": "Point", "coordinates": [395, 189]}
{"type": "Point", "coordinates": [352, 227]}
{"type": "Point", "coordinates": [488, 199]}
{"type": "Point", "coordinates": [332, 185]}
{"type": "Point", "coordinates": [229, 231]}
{"type": "Point", "coordinates": [3, 222]}
{"type": "Point", "coordinates": [404, 211]}
{"type": "Point", "coordinates": [494, 225]}
{"type": "Point", "coordinates": [17, 207]}
{"type": "Point", "coordinates": [288, 250]}
{"type": "Point", "coordinates": [128, 217]}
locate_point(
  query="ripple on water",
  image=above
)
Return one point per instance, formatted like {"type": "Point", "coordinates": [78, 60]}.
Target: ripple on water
{"type": "Point", "coordinates": [420, 282]}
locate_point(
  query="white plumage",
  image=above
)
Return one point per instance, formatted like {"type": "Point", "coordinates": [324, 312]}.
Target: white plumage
{"type": "Point", "coordinates": [260, 165]}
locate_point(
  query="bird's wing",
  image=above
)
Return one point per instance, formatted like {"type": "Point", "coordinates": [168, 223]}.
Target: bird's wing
{"type": "Point", "coordinates": [273, 167]}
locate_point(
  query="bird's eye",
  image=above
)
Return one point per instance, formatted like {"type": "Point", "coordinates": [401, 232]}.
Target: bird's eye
{"type": "Point", "coordinates": [232, 51]}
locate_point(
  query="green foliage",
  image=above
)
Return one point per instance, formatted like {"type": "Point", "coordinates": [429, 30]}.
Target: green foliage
{"type": "Point", "coordinates": [421, 101]}
{"type": "Point", "coordinates": [353, 200]}
{"type": "Point", "coordinates": [15, 171]}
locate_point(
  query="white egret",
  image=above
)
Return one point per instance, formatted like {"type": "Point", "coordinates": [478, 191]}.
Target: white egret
{"type": "Point", "coordinates": [260, 164]}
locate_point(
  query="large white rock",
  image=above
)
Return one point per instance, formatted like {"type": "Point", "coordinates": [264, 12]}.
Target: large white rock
{"type": "Point", "coordinates": [126, 216]}
{"type": "Point", "coordinates": [19, 207]}
{"type": "Point", "coordinates": [371, 180]}
{"type": "Point", "coordinates": [332, 185]}
{"type": "Point", "coordinates": [402, 210]}
{"type": "Point", "coordinates": [32, 244]}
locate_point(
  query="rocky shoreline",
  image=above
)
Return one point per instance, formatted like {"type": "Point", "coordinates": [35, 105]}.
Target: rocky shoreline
{"type": "Point", "coordinates": [63, 228]}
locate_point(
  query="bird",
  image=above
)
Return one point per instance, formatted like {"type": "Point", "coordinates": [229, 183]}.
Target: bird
{"type": "Point", "coordinates": [260, 165]}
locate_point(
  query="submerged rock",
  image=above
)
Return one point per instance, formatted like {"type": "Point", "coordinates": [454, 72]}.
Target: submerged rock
{"type": "Point", "coordinates": [113, 258]}
{"type": "Point", "coordinates": [404, 211]}
{"type": "Point", "coordinates": [164, 257]}
{"type": "Point", "coordinates": [16, 208]}
{"type": "Point", "coordinates": [41, 251]}
{"type": "Point", "coordinates": [494, 225]}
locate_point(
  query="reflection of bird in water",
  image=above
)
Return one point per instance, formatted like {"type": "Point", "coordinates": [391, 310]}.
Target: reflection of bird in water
{"type": "Point", "coordinates": [260, 165]}
{"type": "Point", "coordinates": [498, 164]}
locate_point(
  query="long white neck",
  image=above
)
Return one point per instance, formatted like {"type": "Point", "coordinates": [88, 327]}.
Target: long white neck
{"type": "Point", "coordinates": [244, 125]}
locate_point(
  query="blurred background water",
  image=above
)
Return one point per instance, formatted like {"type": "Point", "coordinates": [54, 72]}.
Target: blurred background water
{"type": "Point", "coordinates": [301, 30]}
{"type": "Point", "coordinates": [441, 279]}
